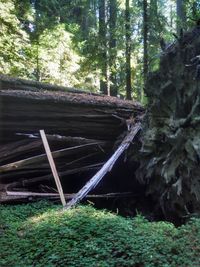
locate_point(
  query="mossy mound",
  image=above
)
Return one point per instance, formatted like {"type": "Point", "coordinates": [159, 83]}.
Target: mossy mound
{"type": "Point", "coordinates": [42, 234]}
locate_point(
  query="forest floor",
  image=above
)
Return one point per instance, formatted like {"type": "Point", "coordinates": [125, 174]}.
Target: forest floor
{"type": "Point", "coordinates": [42, 234]}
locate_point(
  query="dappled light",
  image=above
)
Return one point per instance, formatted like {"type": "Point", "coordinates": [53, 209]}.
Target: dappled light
{"type": "Point", "coordinates": [84, 236]}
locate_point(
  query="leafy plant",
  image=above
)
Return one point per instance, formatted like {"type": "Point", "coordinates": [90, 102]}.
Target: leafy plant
{"type": "Point", "coordinates": [42, 234]}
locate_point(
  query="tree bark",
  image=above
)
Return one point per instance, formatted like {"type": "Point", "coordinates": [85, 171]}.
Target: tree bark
{"type": "Point", "coordinates": [112, 47]}
{"type": "Point", "coordinates": [103, 47]}
{"type": "Point", "coordinates": [181, 16]}
{"type": "Point", "coordinates": [145, 42]}
{"type": "Point", "coordinates": [128, 50]}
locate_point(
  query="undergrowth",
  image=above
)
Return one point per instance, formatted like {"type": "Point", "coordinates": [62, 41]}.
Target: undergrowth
{"type": "Point", "coordinates": [41, 234]}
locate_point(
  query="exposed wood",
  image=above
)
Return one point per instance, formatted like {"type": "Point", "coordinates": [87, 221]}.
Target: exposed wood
{"type": "Point", "coordinates": [106, 167]}
{"type": "Point", "coordinates": [53, 167]}
{"type": "Point", "coordinates": [32, 161]}
{"type": "Point", "coordinates": [10, 196]}
{"type": "Point", "coordinates": [30, 181]}
{"type": "Point", "coordinates": [33, 145]}
{"type": "Point", "coordinates": [67, 196]}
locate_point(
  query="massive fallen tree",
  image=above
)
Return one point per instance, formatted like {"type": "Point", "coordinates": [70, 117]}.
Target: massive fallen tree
{"type": "Point", "coordinates": [81, 128]}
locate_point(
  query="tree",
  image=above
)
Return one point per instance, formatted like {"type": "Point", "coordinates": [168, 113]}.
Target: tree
{"type": "Point", "coordinates": [113, 46]}
{"type": "Point", "coordinates": [58, 62]}
{"type": "Point", "coordinates": [145, 41]}
{"type": "Point", "coordinates": [128, 50]}
{"type": "Point", "coordinates": [103, 61]}
{"type": "Point", "coordinates": [181, 15]}
{"type": "Point", "coordinates": [102, 35]}
{"type": "Point", "coordinates": [14, 42]}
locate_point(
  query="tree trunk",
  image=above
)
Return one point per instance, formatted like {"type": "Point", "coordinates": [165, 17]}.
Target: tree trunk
{"type": "Point", "coordinates": [128, 50]}
{"type": "Point", "coordinates": [86, 20]}
{"type": "Point", "coordinates": [103, 47]}
{"type": "Point", "coordinates": [181, 16]}
{"type": "Point", "coordinates": [145, 42]}
{"type": "Point", "coordinates": [112, 47]}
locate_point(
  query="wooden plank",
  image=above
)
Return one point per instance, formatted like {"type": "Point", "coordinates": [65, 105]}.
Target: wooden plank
{"type": "Point", "coordinates": [21, 164]}
{"type": "Point", "coordinates": [53, 167]}
{"type": "Point", "coordinates": [67, 196]}
{"type": "Point", "coordinates": [28, 181]}
{"type": "Point", "coordinates": [92, 183]}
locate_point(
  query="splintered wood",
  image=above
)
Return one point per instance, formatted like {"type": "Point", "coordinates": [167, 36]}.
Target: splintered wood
{"type": "Point", "coordinates": [92, 183]}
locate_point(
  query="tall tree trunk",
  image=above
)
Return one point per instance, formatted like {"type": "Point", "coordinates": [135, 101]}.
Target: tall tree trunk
{"type": "Point", "coordinates": [171, 16]}
{"type": "Point", "coordinates": [154, 32]}
{"type": "Point", "coordinates": [153, 12]}
{"type": "Point", "coordinates": [103, 46]}
{"type": "Point", "coordinates": [36, 37]}
{"type": "Point", "coordinates": [128, 50]}
{"type": "Point", "coordinates": [112, 46]}
{"type": "Point", "coordinates": [181, 16]}
{"type": "Point", "coordinates": [85, 23]}
{"type": "Point", "coordinates": [145, 42]}
{"type": "Point", "coordinates": [37, 71]}
{"type": "Point", "coordinates": [94, 8]}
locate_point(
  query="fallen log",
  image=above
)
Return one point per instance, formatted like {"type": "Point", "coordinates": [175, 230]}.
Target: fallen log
{"type": "Point", "coordinates": [40, 159]}
{"type": "Point", "coordinates": [9, 196]}
{"type": "Point", "coordinates": [33, 145]}
{"type": "Point", "coordinates": [27, 182]}
{"type": "Point", "coordinates": [64, 114]}
{"type": "Point", "coordinates": [81, 129]}
{"type": "Point", "coordinates": [7, 82]}
{"type": "Point", "coordinates": [170, 153]}
{"type": "Point", "coordinates": [93, 182]}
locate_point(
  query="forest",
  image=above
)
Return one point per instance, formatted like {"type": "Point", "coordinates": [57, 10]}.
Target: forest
{"type": "Point", "coordinates": [99, 108]}
{"type": "Point", "coordinates": [106, 46]}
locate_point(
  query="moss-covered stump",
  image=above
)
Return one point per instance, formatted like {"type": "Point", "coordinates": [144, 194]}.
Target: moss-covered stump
{"type": "Point", "coordinates": [170, 154]}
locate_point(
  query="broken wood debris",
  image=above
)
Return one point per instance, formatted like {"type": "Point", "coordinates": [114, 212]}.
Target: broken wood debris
{"type": "Point", "coordinates": [81, 128]}
{"type": "Point", "coordinates": [93, 182]}
{"type": "Point", "coordinates": [9, 196]}
{"type": "Point", "coordinates": [53, 167]}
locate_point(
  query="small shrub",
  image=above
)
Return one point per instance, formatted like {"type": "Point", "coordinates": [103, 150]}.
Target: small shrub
{"type": "Point", "coordinates": [41, 234]}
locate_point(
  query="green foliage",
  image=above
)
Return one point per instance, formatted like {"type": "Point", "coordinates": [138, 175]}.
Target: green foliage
{"type": "Point", "coordinates": [55, 56]}
{"type": "Point", "coordinates": [13, 41]}
{"type": "Point", "coordinates": [35, 38]}
{"type": "Point", "coordinates": [42, 234]}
